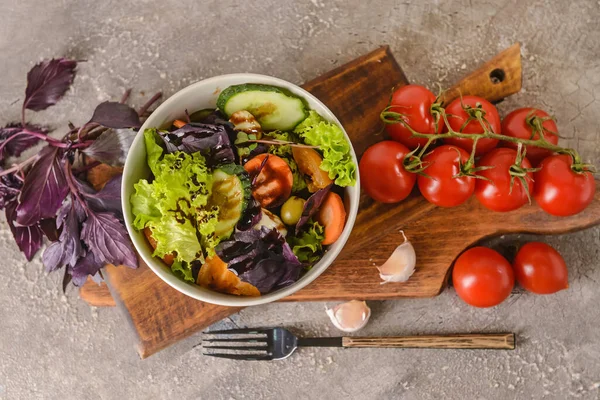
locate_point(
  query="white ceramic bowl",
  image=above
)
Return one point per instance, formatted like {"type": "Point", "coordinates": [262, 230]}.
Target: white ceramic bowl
{"type": "Point", "coordinates": [195, 97]}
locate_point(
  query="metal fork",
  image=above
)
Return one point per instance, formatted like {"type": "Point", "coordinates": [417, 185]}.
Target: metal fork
{"type": "Point", "coordinates": [279, 343]}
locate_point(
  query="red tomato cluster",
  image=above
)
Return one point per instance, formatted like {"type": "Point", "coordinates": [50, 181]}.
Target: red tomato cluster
{"type": "Point", "coordinates": [482, 277]}
{"type": "Point", "coordinates": [447, 179]}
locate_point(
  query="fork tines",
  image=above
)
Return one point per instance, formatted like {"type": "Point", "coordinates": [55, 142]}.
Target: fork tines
{"type": "Point", "coordinates": [238, 348]}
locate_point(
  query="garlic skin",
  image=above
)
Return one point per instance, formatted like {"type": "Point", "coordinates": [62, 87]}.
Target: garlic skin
{"type": "Point", "coordinates": [401, 264]}
{"type": "Point", "coordinates": [350, 316]}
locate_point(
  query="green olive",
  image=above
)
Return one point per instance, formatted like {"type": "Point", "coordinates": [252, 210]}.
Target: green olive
{"type": "Point", "coordinates": [291, 211]}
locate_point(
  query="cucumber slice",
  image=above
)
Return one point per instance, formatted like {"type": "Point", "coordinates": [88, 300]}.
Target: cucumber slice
{"type": "Point", "coordinates": [231, 192]}
{"type": "Point", "coordinates": [275, 108]}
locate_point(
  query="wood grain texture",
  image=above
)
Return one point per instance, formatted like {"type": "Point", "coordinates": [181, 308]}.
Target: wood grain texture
{"type": "Point", "coordinates": [96, 295]}
{"type": "Point", "coordinates": [356, 93]}
{"type": "Point", "coordinates": [499, 341]}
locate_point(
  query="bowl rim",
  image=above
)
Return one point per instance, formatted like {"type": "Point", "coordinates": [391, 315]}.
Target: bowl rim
{"type": "Point", "coordinates": [206, 294]}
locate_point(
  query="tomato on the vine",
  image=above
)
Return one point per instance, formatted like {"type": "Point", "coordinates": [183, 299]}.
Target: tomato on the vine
{"type": "Point", "coordinates": [526, 123]}
{"type": "Point", "coordinates": [540, 269]}
{"type": "Point", "coordinates": [561, 191]}
{"type": "Point", "coordinates": [495, 192]}
{"type": "Point", "coordinates": [457, 117]}
{"type": "Point", "coordinates": [382, 172]}
{"type": "Point", "coordinates": [414, 103]}
{"type": "Point", "coordinates": [442, 186]}
{"type": "Point", "coordinates": [482, 277]}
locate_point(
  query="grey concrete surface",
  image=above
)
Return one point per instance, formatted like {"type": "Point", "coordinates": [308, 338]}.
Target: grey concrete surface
{"type": "Point", "coordinates": [54, 347]}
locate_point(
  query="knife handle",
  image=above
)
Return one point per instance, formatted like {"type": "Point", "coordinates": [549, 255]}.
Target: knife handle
{"type": "Point", "coordinates": [504, 341]}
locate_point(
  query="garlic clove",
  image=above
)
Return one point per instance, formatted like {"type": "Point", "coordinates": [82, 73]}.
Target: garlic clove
{"type": "Point", "coordinates": [350, 316]}
{"type": "Point", "coordinates": [401, 264]}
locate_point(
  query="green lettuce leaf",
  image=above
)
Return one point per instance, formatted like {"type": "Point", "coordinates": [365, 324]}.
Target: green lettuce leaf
{"type": "Point", "coordinates": [307, 247]}
{"type": "Point", "coordinates": [143, 203]}
{"type": "Point", "coordinates": [173, 204]}
{"type": "Point", "coordinates": [176, 236]}
{"type": "Point", "coordinates": [153, 148]}
{"type": "Point", "coordinates": [207, 225]}
{"type": "Point", "coordinates": [183, 271]}
{"type": "Point", "coordinates": [333, 144]}
{"type": "Point", "coordinates": [244, 151]}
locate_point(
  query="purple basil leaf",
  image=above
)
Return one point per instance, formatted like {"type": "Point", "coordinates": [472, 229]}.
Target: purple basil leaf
{"type": "Point", "coordinates": [68, 248]}
{"type": "Point", "coordinates": [112, 114]}
{"type": "Point", "coordinates": [262, 258]}
{"type": "Point", "coordinates": [28, 238]}
{"type": "Point", "coordinates": [212, 140]}
{"type": "Point", "coordinates": [21, 140]}
{"type": "Point", "coordinates": [47, 82]}
{"type": "Point", "coordinates": [260, 168]}
{"type": "Point", "coordinates": [44, 189]}
{"type": "Point", "coordinates": [85, 266]}
{"type": "Point", "coordinates": [66, 280]}
{"type": "Point", "coordinates": [293, 267]}
{"type": "Point", "coordinates": [251, 216]}
{"type": "Point", "coordinates": [311, 206]}
{"type": "Point", "coordinates": [265, 274]}
{"type": "Point", "coordinates": [107, 199]}
{"type": "Point", "coordinates": [10, 187]}
{"type": "Point", "coordinates": [48, 226]}
{"type": "Point", "coordinates": [108, 240]}
{"type": "Point", "coordinates": [111, 147]}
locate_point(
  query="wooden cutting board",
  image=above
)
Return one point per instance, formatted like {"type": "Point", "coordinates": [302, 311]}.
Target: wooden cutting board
{"type": "Point", "coordinates": [356, 93]}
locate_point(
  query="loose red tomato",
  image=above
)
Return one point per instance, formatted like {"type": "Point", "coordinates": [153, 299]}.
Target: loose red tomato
{"type": "Point", "coordinates": [414, 102]}
{"type": "Point", "coordinates": [458, 116]}
{"type": "Point", "coordinates": [382, 172]}
{"type": "Point", "coordinates": [520, 123]}
{"type": "Point", "coordinates": [496, 193]}
{"type": "Point", "coordinates": [482, 277]}
{"type": "Point", "coordinates": [561, 191]}
{"type": "Point", "coordinates": [540, 269]}
{"type": "Point", "coordinates": [441, 187]}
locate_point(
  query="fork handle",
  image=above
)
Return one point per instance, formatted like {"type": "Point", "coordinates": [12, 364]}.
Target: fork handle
{"type": "Point", "coordinates": [463, 341]}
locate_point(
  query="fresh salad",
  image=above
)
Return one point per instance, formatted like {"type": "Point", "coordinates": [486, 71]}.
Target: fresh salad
{"type": "Point", "coordinates": [245, 199]}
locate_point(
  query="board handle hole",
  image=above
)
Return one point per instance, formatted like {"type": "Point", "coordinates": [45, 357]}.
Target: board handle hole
{"type": "Point", "coordinates": [497, 76]}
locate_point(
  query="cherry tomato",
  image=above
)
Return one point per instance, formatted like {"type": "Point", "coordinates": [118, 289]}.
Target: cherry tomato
{"type": "Point", "coordinates": [458, 116]}
{"type": "Point", "coordinates": [414, 101]}
{"type": "Point", "coordinates": [519, 124]}
{"type": "Point", "coordinates": [382, 172]}
{"type": "Point", "coordinates": [440, 187]}
{"type": "Point", "coordinates": [482, 277]}
{"type": "Point", "coordinates": [496, 193]}
{"type": "Point", "coordinates": [561, 191]}
{"type": "Point", "coordinates": [540, 269]}
{"type": "Point", "coordinates": [273, 185]}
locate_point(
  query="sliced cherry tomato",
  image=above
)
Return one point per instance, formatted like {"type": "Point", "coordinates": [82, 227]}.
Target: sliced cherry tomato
{"type": "Point", "coordinates": [458, 116]}
{"type": "Point", "coordinates": [167, 258]}
{"type": "Point", "coordinates": [332, 215]}
{"type": "Point", "coordinates": [540, 269]}
{"type": "Point", "coordinates": [273, 185]}
{"type": "Point", "coordinates": [561, 191]}
{"type": "Point", "coordinates": [522, 123]}
{"type": "Point", "coordinates": [495, 192]}
{"type": "Point", "coordinates": [414, 102]}
{"type": "Point", "coordinates": [441, 186]}
{"type": "Point", "coordinates": [482, 277]}
{"type": "Point", "coordinates": [382, 172]}
{"type": "Point", "coordinates": [309, 164]}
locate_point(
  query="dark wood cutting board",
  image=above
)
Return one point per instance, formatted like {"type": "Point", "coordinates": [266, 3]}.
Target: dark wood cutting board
{"type": "Point", "coordinates": [356, 93]}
